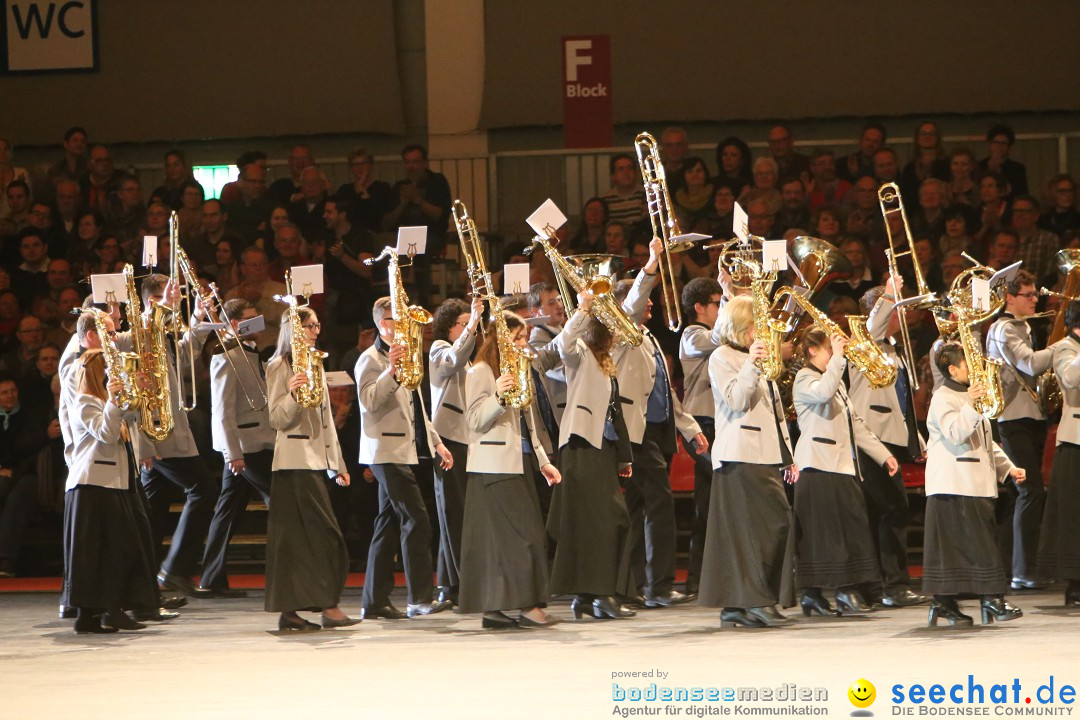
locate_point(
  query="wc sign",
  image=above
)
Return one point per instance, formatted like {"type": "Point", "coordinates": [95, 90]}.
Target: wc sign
{"type": "Point", "coordinates": [587, 116]}
{"type": "Point", "coordinates": [48, 36]}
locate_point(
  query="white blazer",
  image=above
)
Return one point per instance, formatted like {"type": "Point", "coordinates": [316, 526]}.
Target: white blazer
{"type": "Point", "coordinates": [827, 422]}
{"type": "Point", "coordinates": [306, 437]}
{"type": "Point", "coordinates": [1067, 369]}
{"type": "Point", "coordinates": [746, 415]}
{"type": "Point", "coordinates": [68, 392]}
{"type": "Point", "coordinates": [99, 456]}
{"type": "Point", "coordinates": [387, 431]}
{"type": "Point", "coordinates": [962, 457]}
{"type": "Point", "coordinates": [880, 407]}
{"type": "Point", "coordinates": [696, 345]}
{"type": "Point", "coordinates": [1009, 340]}
{"type": "Point", "coordinates": [495, 429]}
{"type": "Point", "coordinates": [236, 429]}
{"type": "Point", "coordinates": [446, 373]}
{"type": "Point", "coordinates": [588, 387]}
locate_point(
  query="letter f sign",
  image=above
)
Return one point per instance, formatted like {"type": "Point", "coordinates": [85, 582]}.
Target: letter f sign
{"type": "Point", "coordinates": [574, 59]}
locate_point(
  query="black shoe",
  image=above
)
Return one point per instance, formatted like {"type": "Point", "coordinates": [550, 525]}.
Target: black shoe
{"type": "Point", "coordinates": [205, 592]}
{"type": "Point", "coordinates": [1072, 594]}
{"type": "Point", "coordinates": [176, 583]}
{"type": "Point", "coordinates": [637, 602]}
{"type": "Point", "coordinates": [296, 623]}
{"type": "Point", "coordinates": [498, 621]}
{"type": "Point", "coordinates": [609, 607]}
{"type": "Point", "coordinates": [330, 623]}
{"type": "Point", "coordinates": [121, 621]}
{"type": "Point", "coordinates": [732, 617]}
{"type": "Point", "coordinates": [386, 612]}
{"type": "Point", "coordinates": [947, 609]}
{"type": "Point", "coordinates": [671, 597]}
{"type": "Point", "coordinates": [849, 601]}
{"type": "Point", "coordinates": [997, 608]}
{"type": "Point", "coordinates": [769, 616]}
{"type": "Point", "coordinates": [68, 613]}
{"type": "Point", "coordinates": [172, 601]}
{"type": "Point", "coordinates": [89, 622]}
{"type": "Point", "coordinates": [905, 598]}
{"type": "Point", "coordinates": [1027, 583]}
{"type": "Point", "coordinates": [155, 615]}
{"type": "Point", "coordinates": [525, 621]}
{"type": "Point", "coordinates": [815, 602]}
{"type": "Point", "coordinates": [447, 595]}
{"type": "Point", "coordinates": [581, 605]}
{"type": "Point", "coordinates": [414, 609]}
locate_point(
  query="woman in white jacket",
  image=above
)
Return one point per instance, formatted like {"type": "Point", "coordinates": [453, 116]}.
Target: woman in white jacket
{"type": "Point", "coordinates": [963, 469]}
{"type": "Point", "coordinates": [834, 547]}
{"type": "Point", "coordinates": [504, 562]}
{"type": "Point", "coordinates": [306, 558]}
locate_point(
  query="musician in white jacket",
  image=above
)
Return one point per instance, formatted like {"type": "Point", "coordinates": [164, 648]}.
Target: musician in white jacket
{"type": "Point", "coordinates": [834, 547]}
{"type": "Point", "coordinates": [504, 562]}
{"type": "Point", "coordinates": [964, 467]}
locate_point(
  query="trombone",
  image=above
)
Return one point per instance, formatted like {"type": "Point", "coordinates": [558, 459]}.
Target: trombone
{"type": "Point", "coordinates": [475, 266]}
{"type": "Point", "coordinates": [664, 225]}
{"type": "Point", "coordinates": [176, 324]}
{"type": "Point", "coordinates": [892, 204]}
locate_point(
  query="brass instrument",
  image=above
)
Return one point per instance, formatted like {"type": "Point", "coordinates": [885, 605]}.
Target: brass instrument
{"type": "Point", "coordinates": [665, 226]}
{"type": "Point", "coordinates": [124, 365]}
{"type": "Point", "coordinates": [409, 322]}
{"type": "Point", "coordinates": [215, 313]}
{"type": "Point", "coordinates": [148, 344]}
{"type": "Point", "coordinates": [176, 321]}
{"type": "Point", "coordinates": [767, 329]}
{"type": "Point", "coordinates": [1068, 262]}
{"type": "Point", "coordinates": [735, 249]}
{"type": "Point", "coordinates": [893, 204]}
{"type": "Point", "coordinates": [305, 358]}
{"type": "Point", "coordinates": [862, 351]}
{"type": "Point", "coordinates": [983, 370]}
{"type": "Point", "coordinates": [475, 267]}
{"type": "Point", "coordinates": [604, 308]}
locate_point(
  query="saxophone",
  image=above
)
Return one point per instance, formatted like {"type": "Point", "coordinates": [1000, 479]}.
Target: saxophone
{"type": "Point", "coordinates": [124, 365]}
{"type": "Point", "coordinates": [305, 359]}
{"type": "Point", "coordinates": [604, 308]}
{"type": "Point", "coordinates": [148, 345]}
{"type": "Point", "coordinates": [517, 361]}
{"type": "Point", "coordinates": [767, 329]}
{"type": "Point", "coordinates": [409, 322]}
{"type": "Point", "coordinates": [981, 369]}
{"type": "Point", "coordinates": [862, 352]}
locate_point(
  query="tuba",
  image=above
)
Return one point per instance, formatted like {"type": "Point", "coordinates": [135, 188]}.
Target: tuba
{"type": "Point", "coordinates": [409, 322]}
{"type": "Point", "coordinates": [664, 225]}
{"type": "Point", "coordinates": [124, 365]}
{"type": "Point", "coordinates": [604, 308]}
{"type": "Point", "coordinates": [862, 351]}
{"type": "Point", "coordinates": [148, 345]}
{"type": "Point", "coordinates": [1068, 261]}
{"type": "Point", "coordinates": [305, 359]}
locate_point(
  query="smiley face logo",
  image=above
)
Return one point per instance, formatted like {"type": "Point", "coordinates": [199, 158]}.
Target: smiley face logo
{"type": "Point", "coordinates": [862, 693]}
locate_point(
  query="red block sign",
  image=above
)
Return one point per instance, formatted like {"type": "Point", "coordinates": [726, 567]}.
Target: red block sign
{"type": "Point", "coordinates": [587, 116]}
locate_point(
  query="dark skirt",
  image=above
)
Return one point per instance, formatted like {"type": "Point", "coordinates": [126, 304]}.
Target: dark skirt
{"type": "Point", "coordinates": [960, 553]}
{"type": "Point", "coordinates": [1059, 540]}
{"type": "Point", "coordinates": [107, 563]}
{"type": "Point", "coordinates": [504, 564]}
{"type": "Point", "coordinates": [590, 524]}
{"type": "Point", "coordinates": [450, 492]}
{"type": "Point", "coordinates": [306, 558]}
{"type": "Point", "coordinates": [832, 533]}
{"type": "Point", "coordinates": [749, 544]}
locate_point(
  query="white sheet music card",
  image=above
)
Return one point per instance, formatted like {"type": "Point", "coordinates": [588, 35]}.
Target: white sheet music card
{"type": "Point", "coordinates": [338, 378]}
{"type": "Point", "coordinates": [251, 326]}
{"type": "Point", "coordinates": [741, 223]}
{"type": "Point", "coordinates": [980, 293]}
{"type": "Point", "coordinates": [515, 278]}
{"type": "Point", "coordinates": [774, 255]}
{"type": "Point", "coordinates": [1006, 274]}
{"type": "Point", "coordinates": [411, 240]}
{"type": "Point", "coordinates": [546, 218]}
{"type": "Point", "coordinates": [307, 280]}
{"type": "Point", "coordinates": [110, 288]}
{"type": "Point", "coordinates": [149, 250]}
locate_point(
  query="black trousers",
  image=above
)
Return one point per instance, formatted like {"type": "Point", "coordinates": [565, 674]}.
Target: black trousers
{"type": "Point", "coordinates": [450, 487]}
{"type": "Point", "coordinates": [1020, 512]}
{"type": "Point", "coordinates": [17, 507]}
{"type": "Point", "coordinates": [703, 476]}
{"type": "Point", "coordinates": [652, 517]}
{"type": "Point", "coordinates": [400, 507]}
{"type": "Point", "coordinates": [192, 476]}
{"type": "Point", "coordinates": [231, 504]}
{"type": "Point", "coordinates": [887, 511]}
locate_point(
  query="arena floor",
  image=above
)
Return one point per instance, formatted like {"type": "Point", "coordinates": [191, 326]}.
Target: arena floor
{"type": "Point", "coordinates": [224, 659]}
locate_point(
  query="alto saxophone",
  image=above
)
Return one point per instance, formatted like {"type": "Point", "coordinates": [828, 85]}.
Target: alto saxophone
{"type": "Point", "coordinates": [981, 370]}
{"type": "Point", "coordinates": [409, 322]}
{"type": "Point", "coordinates": [148, 345]}
{"type": "Point", "coordinates": [767, 329]}
{"type": "Point", "coordinates": [124, 365]}
{"type": "Point", "coordinates": [305, 359]}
